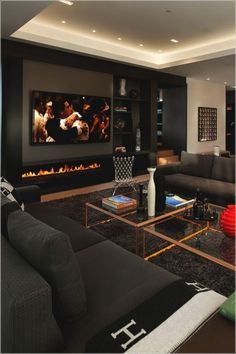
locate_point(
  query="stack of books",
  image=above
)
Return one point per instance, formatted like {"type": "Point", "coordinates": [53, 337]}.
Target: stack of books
{"type": "Point", "coordinates": [176, 202]}
{"type": "Point", "coordinates": [119, 203]}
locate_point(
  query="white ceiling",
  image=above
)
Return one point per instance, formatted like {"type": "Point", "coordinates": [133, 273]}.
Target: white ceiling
{"type": "Point", "coordinates": [205, 31]}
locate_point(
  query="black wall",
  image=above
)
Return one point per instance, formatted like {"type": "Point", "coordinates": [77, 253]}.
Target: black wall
{"type": "Point", "coordinates": [175, 118]}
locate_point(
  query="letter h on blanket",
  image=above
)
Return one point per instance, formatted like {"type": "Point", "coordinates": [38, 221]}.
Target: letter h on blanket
{"type": "Point", "coordinates": [128, 333]}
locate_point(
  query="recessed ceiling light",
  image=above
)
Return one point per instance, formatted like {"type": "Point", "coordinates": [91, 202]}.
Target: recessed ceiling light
{"type": "Point", "coordinates": [208, 79]}
{"type": "Point", "coordinates": [67, 2]}
{"type": "Point", "coordinates": [141, 45]}
{"type": "Point", "coordinates": [63, 22]}
{"type": "Point", "coordinates": [225, 82]}
{"type": "Point", "coordinates": [119, 39]}
{"type": "Point", "coordinates": [94, 31]}
{"type": "Point", "coordinates": [174, 40]}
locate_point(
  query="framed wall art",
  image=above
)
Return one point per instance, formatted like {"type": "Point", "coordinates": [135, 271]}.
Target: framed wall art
{"type": "Point", "coordinates": [207, 124]}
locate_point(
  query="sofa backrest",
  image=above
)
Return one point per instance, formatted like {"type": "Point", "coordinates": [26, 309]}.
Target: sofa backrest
{"type": "Point", "coordinates": [49, 252]}
{"type": "Point", "coordinates": [27, 321]}
{"type": "Point", "coordinates": [196, 164]}
{"type": "Point", "coordinates": [223, 169]}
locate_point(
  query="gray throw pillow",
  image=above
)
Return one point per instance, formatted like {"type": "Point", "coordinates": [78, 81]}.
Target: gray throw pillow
{"type": "Point", "coordinates": [196, 164]}
{"type": "Point", "coordinates": [49, 252]}
{"type": "Point", "coordinates": [10, 192]}
{"type": "Point", "coordinates": [223, 169]}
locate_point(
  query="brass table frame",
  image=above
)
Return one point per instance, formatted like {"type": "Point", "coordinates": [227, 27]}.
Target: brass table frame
{"type": "Point", "coordinates": [139, 227]}
{"type": "Point", "coordinates": [174, 243]}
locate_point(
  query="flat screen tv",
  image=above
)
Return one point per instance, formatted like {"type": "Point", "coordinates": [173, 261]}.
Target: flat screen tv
{"type": "Point", "coordinates": [61, 118]}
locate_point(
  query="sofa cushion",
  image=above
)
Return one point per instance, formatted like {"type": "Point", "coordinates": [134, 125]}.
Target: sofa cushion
{"type": "Point", "coordinates": [79, 236]}
{"type": "Point", "coordinates": [196, 164]}
{"type": "Point", "coordinates": [7, 207]}
{"type": "Point", "coordinates": [49, 252]}
{"type": "Point", "coordinates": [223, 169]}
{"type": "Point", "coordinates": [129, 281]}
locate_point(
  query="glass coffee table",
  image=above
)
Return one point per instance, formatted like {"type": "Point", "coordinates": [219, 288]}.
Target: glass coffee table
{"type": "Point", "coordinates": [132, 218]}
{"type": "Point", "coordinates": [203, 238]}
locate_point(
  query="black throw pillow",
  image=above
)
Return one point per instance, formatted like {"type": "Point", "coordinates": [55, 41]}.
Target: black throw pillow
{"type": "Point", "coordinates": [49, 252]}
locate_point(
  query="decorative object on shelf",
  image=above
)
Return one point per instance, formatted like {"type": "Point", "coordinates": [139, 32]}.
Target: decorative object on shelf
{"type": "Point", "coordinates": [207, 124]}
{"type": "Point", "coordinates": [119, 124]}
{"type": "Point", "coordinates": [122, 89]}
{"type": "Point", "coordinates": [227, 221]}
{"type": "Point", "coordinates": [134, 93]}
{"type": "Point", "coordinates": [151, 192]}
{"type": "Point", "coordinates": [121, 109]}
{"type": "Point", "coordinates": [120, 149]}
{"type": "Point", "coordinates": [141, 208]}
{"type": "Point", "coordinates": [160, 186]}
{"type": "Point", "coordinates": [138, 139]}
{"type": "Point", "coordinates": [216, 150]}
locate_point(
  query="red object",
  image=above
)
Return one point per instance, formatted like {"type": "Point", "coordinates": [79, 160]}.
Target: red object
{"type": "Point", "coordinates": [227, 220]}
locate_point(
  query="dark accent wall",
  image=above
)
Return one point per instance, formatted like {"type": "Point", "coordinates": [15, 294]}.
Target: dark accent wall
{"type": "Point", "coordinates": [27, 67]}
{"type": "Point", "coordinates": [175, 118]}
{"type": "Point", "coordinates": [12, 118]}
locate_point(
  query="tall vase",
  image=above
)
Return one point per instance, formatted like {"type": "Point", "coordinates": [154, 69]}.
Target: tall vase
{"type": "Point", "coordinates": [151, 192]}
{"type": "Point", "coordinates": [122, 89]}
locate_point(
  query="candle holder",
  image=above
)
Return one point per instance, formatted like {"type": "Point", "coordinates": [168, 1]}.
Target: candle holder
{"type": "Point", "coordinates": [141, 208]}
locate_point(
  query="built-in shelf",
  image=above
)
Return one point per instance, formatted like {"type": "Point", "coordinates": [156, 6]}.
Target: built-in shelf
{"type": "Point", "coordinates": [124, 98]}
{"type": "Point", "coordinates": [122, 133]}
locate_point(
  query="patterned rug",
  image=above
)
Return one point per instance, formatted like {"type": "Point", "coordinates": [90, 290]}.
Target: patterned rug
{"type": "Point", "coordinates": [179, 261]}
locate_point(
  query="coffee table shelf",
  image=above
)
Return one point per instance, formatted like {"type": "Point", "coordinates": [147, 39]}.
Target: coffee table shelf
{"type": "Point", "coordinates": [202, 238]}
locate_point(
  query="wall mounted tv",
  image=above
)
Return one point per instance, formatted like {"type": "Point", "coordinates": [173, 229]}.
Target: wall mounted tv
{"type": "Point", "coordinates": [61, 118]}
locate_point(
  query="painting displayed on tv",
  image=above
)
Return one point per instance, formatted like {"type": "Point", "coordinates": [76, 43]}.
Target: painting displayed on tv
{"type": "Point", "coordinates": [60, 118]}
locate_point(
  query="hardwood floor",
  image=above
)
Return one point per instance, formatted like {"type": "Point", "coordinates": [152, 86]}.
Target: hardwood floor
{"type": "Point", "coordinates": [89, 189]}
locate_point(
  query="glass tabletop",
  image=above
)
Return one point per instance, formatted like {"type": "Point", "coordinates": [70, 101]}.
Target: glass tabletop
{"type": "Point", "coordinates": [202, 237]}
{"type": "Point", "coordinates": [135, 217]}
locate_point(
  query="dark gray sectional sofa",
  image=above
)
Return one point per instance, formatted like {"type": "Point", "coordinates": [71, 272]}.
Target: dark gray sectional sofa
{"type": "Point", "coordinates": [42, 250]}
{"type": "Point", "coordinates": [213, 175]}
{"type": "Point", "coordinates": [62, 284]}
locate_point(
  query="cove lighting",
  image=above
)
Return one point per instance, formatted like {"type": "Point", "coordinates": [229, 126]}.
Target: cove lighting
{"type": "Point", "coordinates": [66, 2]}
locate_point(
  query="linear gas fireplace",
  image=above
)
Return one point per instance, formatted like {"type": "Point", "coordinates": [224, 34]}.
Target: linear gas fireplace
{"type": "Point", "coordinates": [54, 176]}
{"type": "Point", "coordinates": [59, 170]}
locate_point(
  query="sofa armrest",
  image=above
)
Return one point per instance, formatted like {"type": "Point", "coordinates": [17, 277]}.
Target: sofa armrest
{"type": "Point", "coordinates": [168, 169]}
{"type": "Point", "coordinates": [29, 194]}
{"type": "Point", "coordinates": [28, 324]}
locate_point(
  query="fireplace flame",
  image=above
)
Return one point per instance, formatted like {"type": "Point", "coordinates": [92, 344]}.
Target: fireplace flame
{"type": "Point", "coordinates": [64, 169]}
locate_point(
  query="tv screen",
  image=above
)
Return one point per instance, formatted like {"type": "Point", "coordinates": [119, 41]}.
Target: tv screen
{"type": "Point", "coordinates": [60, 118]}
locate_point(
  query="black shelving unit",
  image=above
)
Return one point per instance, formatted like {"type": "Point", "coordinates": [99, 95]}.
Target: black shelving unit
{"type": "Point", "coordinates": [130, 110]}
{"type": "Point", "coordinates": [159, 123]}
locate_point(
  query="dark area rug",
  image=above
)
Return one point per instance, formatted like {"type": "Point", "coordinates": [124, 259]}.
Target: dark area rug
{"type": "Point", "coordinates": [179, 261]}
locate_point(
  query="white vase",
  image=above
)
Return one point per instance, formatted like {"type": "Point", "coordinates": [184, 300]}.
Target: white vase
{"type": "Point", "coordinates": [151, 192]}
{"type": "Point", "coordinates": [122, 89]}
